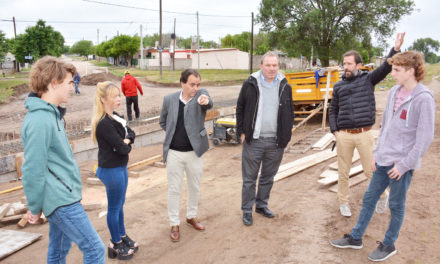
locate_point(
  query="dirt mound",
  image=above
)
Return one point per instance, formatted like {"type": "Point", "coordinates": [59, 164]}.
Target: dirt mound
{"type": "Point", "coordinates": [21, 89]}
{"type": "Point", "coordinates": [93, 79]}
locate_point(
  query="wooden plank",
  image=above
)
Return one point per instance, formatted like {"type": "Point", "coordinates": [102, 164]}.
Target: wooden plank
{"type": "Point", "coordinates": [12, 241]}
{"type": "Point", "coordinates": [334, 177]}
{"type": "Point", "coordinates": [145, 162]}
{"type": "Point", "coordinates": [356, 157]}
{"type": "Point", "coordinates": [18, 162]}
{"type": "Point", "coordinates": [4, 209]}
{"type": "Point", "coordinates": [351, 182]}
{"type": "Point", "coordinates": [323, 142]}
{"type": "Point", "coordinates": [301, 164]}
{"type": "Point", "coordinates": [93, 181]}
{"type": "Point", "coordinates": [7, 219]}
{"type": "Point", "coordinates": [92, 206]}
{"type": "Point", "coordinates": [328, 173]}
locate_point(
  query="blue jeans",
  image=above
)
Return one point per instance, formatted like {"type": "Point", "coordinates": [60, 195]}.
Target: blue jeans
{"type": "Point", "coordinates": [397, 199]}
{"type": "Point", "coordinates": [71, 223]}
{"type": "Point", "coordinates": [115, 181]}
{"type": "Point", "coordinates": [76, 88]}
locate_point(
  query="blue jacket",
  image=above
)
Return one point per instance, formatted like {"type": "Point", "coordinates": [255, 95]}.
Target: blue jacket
{"type": "Point", "coordinates": [51, 177]}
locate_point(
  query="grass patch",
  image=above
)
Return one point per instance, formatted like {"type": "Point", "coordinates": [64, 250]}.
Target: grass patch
{"type": "Point", "coordinates": [431, 71]}
{"type": "Point", "coordinates": [6, 88]}
{"type": "Point", "coordinates": [101, 63]}
{"type": "Point", "coordinates": [208, 76]}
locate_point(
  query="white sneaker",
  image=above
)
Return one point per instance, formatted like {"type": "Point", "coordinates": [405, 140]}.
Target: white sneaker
{"type": "Point", "coordinates": [381, 205]}
{"type": "Point", "coordinates": [345, 209]}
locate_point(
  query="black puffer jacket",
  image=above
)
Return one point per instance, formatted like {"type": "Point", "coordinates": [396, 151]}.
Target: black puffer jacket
{"type": "Point", "coordinates": [353, 104]}
{"type": "Point", "coordinates": [247, 108]}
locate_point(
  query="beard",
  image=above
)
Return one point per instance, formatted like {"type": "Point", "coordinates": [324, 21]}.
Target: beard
{"type": "Point", "coordinates": [350, 75]}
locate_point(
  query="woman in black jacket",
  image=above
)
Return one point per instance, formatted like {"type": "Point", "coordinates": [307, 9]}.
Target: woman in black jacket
{"type": "Point", "coordinates": [114, 140]}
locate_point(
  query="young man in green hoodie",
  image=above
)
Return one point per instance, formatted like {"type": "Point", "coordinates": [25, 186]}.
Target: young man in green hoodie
{"type": "Point", "coordinates": [51, 177]}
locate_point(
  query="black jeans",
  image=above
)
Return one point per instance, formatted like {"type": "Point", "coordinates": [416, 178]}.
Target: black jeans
{"type": "Point", "coordinates": [129, 100]}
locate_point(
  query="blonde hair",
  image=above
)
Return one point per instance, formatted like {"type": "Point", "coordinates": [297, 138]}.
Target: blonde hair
{"type": "Point", "coordinates": [410, 59]}
{"type": "Point", "coordinates": [46, 70]}
{"type": "Point", "coordinates": [104, 90]}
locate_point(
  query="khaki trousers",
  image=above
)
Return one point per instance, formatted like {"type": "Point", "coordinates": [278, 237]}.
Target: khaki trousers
{"type": "Point", "coordinates": [346, 143]}
{"type": "Point", "coordinates": [177, 163]}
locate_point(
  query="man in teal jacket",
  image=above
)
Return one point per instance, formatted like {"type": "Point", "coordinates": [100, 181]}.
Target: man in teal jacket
{"type": "Point", "coordinates": [51, 177]}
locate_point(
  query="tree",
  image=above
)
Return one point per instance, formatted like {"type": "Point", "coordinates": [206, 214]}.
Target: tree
{"type": "Point", "coordinates": [427, 46]}
{"type": "Point", "coordinates": [296, 26]}
{"type": "Point", "coordinates": [82, 47]}
{"type": "Point", "coordinates": [38, 41]}
{"type": "Point", "coordinates": [240, 41]}
{"type": "Point", "coordinates": [3, 46]}
{"type": "Point", "coordinates": [126, 46]}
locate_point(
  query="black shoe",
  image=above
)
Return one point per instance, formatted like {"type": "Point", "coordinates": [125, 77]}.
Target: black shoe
{"type": "Point", "coordinates": [119, 250]}
{"type": "Point", "coordinates": [247, 219]}
{"type": "Point", "coordinates": [130, 243]}
{"type": "Point", "coordinates": [265, 212]}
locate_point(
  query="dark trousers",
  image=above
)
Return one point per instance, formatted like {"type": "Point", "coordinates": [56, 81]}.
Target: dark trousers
{"type": "Point", "coordinates": [262, 153]}
{"type": "Point", "coordinates": [129, 100]}
{"type": "Point", "coordinates": [115, 181]}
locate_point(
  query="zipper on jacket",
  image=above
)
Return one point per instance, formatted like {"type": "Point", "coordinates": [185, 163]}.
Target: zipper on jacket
{"type": "Point", "coordinates": [58, 178]}
{"type": "Point", "coordinates": [256, 108]}
{"type": "Point", "coordinates": [279, 114]}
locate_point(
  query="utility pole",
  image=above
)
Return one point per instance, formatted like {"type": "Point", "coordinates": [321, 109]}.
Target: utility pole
{"type": "Point", "coordinates": [252, 44]}
{"type": "Point", "coordinates": [174, 44]}
{"type": "Point", "coordinates": [142, 49]}
{"type": "Point", "coordinates": [160, 38]}
{"type": "Point", "coordinates": [17, 65]}
{"type": "Point", "coordinates": [198, 43]}
{"type": "Point", "coordinates": [97, 36]}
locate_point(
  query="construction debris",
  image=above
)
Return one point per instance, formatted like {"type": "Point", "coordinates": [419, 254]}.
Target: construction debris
{"type": "Point", "coordinates": [356, 157]}
{"type": "Point", "coordinates": [145, 162]}
{"type": "Point", "coordinates": [93, 181]}
{"type": "Point", "coordinates": [92, 206]}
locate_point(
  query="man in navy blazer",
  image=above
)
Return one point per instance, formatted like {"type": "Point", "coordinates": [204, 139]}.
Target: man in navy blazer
{"type": "Point", "coordinates": [183, 119]}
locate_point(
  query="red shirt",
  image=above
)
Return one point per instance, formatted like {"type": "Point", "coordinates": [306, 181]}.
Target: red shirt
{"type": "Point", "coordinates": [129, 85]}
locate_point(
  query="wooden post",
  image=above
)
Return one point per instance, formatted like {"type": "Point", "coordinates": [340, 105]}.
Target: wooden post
{"type": "Point", "coordinates": [324, 113]}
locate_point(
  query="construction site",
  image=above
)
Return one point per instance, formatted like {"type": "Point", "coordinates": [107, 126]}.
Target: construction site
{"type": "Point", "coordinates": [303, 196]}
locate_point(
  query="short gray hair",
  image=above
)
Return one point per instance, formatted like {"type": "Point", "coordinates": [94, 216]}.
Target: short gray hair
{"type": "Point", "coordinates": [270, 54]}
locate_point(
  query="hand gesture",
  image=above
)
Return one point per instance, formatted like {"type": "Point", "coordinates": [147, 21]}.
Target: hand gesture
{"type": "Point", "coordinates": [203, 100]}
{"type": "Point", "coordinates": [373, 164]}
{"type": "Point", "coordinates": [399, 41]}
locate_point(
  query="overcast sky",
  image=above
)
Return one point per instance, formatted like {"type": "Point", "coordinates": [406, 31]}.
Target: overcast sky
{"type": "Point", "coordinates": [217, 18]}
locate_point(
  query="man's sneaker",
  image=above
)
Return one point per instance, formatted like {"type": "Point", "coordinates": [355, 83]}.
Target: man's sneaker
{"type": "Point", "coordinates": [381, 205]}
{"type": "Point", "coordinates": [345, 209]}
{"type": "Point", "coordinates": [347, 242]}
{"type": "Point", "coordinates": [382, 252]}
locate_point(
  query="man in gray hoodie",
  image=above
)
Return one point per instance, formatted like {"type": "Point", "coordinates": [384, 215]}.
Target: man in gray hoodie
{"type": "Point", "coordinates": [406, 133]}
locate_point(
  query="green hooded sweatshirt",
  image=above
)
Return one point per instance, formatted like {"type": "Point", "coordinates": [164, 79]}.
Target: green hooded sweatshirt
{"type": "Point", "coordinates": [51, 177]}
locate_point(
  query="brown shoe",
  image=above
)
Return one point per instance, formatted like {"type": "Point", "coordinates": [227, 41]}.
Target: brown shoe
{"type": "Point", "coordinates": [195, 223]}
{"type": "Point", "coordinates": [175, 234]}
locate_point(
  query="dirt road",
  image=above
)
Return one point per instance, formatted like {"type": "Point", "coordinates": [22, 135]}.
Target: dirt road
{"type": "Point", "coordinates": [307, 215]}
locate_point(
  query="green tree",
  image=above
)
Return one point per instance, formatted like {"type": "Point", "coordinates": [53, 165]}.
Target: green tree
{"type": "Point", "coordinates": [297, 25]}
{"type": "Point", "coordinates": [240, 41]}
{"type": "Point", "coordinates": [66, 49]}
{"type": "Point", "coordinates": [39, 40]}
{"type": "Point", "coordinates": [82, 47]}
{"type": "Point", "coordinates": [126, 46]}
{"type": "Point", "coordinates": [184, 43]}
{"type": "Point", "coordinates": [427, 46]}
{"type": "Point", "coordinates": [3, 46]}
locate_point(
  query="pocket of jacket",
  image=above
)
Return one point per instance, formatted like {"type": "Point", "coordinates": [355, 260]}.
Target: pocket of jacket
{"type": "Point", "coordinates": [203, 132]}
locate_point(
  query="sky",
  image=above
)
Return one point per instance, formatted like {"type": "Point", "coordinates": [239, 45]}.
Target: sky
{"type": "Point", "coordinates": [216, 18]}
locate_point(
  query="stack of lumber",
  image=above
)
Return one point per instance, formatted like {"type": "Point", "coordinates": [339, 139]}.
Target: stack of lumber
{"type": "Point", "coordinates": [291, 168]}
{"type": "Point", "coordinates": [16, 212]}
{"type": "Point", "coordinates": [323, 143]}
{"type": "Point", "coordinates": [330, 176]}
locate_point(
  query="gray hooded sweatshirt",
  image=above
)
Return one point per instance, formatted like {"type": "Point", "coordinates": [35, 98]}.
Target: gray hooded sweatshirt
{"type": "Point", "coordinates": [407, 133]}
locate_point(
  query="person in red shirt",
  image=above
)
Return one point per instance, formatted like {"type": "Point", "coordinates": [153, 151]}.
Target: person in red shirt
{"type": "Point", "coordinates": [129, 87]}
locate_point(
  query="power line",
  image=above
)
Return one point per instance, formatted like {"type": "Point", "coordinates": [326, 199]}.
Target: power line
{"type": "Point", "coordinates": [155, 10]}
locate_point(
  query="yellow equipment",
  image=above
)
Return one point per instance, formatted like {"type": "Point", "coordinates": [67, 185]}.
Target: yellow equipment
{"type": "Point", "coordinates": [225, 130]}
